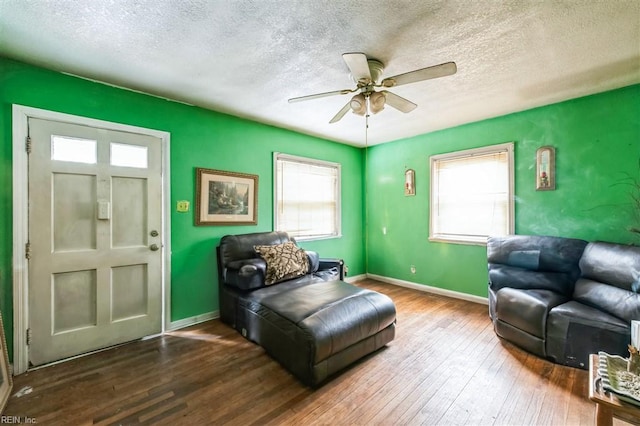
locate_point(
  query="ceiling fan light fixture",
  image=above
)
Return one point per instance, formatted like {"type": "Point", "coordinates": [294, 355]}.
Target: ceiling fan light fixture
{"type": "Point", "coordinates": [376, 102]}
{"type": "Point", "coordinates": [366, 73]}
{"type": "Point", "coordinates": [358, 104]}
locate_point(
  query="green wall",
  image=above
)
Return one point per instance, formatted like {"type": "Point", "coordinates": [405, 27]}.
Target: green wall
{"type": "Point", "coordinates": [597, 141]}
{"type": "Point", "coordinates": [199, 138]}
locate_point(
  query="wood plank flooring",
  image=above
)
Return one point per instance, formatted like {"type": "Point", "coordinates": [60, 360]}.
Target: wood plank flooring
{"type": "Point", "coordinates": [445, 367]}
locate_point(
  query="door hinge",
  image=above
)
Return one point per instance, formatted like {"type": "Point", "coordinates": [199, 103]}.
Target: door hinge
{"type": "Point", "coordinates": [29, 336]}
{"type": "Point", "coordinates": [28, 145]}
{"type": "Point", "coordinates": [27, 251]}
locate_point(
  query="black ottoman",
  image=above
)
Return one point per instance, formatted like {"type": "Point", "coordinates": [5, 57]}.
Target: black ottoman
{"type": "Point", "coordinates": [316, 329]}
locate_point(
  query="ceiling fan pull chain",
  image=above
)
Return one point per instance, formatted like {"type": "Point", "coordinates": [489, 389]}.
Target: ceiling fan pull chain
{"type": "Point", "coordinates": [366, 131]}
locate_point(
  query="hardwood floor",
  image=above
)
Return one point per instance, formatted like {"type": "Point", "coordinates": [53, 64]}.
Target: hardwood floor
{"type": "Point", "coordinates": [445, 367]}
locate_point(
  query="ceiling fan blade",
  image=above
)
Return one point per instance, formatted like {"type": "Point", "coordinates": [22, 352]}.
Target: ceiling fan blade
{"type": "Point", "coordinates": [442, 70]}
{"type": "Point", "coordinates": [358, 65]}
{"type": "Point", "coordinates": [341, 113]}
{"type": "Point", "coordinates": [398, 102]}
{"type": "Point", "coordinates": [320, 95]}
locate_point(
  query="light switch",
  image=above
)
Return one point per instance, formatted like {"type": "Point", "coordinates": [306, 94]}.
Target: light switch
{"type": "Point", "coordinates": [104, 210]}
{"type": "Point", "coordinates": [183, 206]}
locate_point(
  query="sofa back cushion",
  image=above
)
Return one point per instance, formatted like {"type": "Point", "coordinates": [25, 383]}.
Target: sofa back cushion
{"type": "Point", "coordinates": [613, 300]}
{"type": "Point", "coordinates": [501, 276]}
{"type": "Point", "coordinates": [610, 279]}
{"type": "Point", "coordinates": [534, 262]}
{"type": "Point", "coordinates": [240, 247]}
{"type": "Point", "coordinates": [536, 253]}
{"type": "Point", "coordinates": [240, 266]}
{"type": "Point", "coordinates": [614, 264]}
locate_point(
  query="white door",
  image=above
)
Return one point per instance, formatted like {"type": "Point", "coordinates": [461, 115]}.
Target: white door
{"type": "Point", "coordinates": [95, 249]}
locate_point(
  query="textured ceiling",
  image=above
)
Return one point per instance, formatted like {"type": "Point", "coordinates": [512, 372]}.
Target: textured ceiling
{"type": "Point", "coordinates": [246, 58]}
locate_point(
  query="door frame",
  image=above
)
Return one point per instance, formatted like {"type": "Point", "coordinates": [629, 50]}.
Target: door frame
{"type": "Point", "coordinates": [20, 162]}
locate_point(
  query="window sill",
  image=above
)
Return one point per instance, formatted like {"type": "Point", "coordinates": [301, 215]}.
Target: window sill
{"type": "Point", "coordinates": [318, 238]}
{"type": "Point", "coordinates": [467, 240]}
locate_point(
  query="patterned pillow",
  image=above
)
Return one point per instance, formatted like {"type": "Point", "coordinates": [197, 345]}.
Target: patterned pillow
{"type": "Point", "coordinates": [284, 261]}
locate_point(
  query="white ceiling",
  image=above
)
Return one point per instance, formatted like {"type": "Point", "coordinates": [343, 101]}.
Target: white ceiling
{"type": "Point", "coordinates": [246, 58]}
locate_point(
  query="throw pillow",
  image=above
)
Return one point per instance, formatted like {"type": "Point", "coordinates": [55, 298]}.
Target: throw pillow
{"type": "Point", "coordinates": [284, 261]}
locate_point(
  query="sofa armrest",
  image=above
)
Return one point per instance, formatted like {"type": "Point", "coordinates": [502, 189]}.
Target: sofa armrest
{"type": "Point", "coordinates": [314, 260]}
{"type": "Point", "coordinates": [246, 274]}
{"type": "Point", "coordinates": [327, 264]}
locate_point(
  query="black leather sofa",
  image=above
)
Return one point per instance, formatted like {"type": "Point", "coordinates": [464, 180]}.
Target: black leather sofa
{"type": "Point", "coordinates": [314, 324]}
{"type": "Point", "coordinates": [561, 298]}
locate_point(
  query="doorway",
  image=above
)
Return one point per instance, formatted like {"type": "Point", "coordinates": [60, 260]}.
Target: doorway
{"type": "Point", "coordinates": [96, 244]}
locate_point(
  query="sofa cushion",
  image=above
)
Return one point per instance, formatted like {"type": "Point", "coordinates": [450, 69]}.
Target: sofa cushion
{"type": "Point", "coordinates": [613, 300]}
{"type": "Point", "coordinates": [527, 310]}
{"type": "Point", "coordinates": [284, 261]}
{"type": "Point", "coordinates": [614, 264]}
{"type": "Point", "coordinates": [510, 276]}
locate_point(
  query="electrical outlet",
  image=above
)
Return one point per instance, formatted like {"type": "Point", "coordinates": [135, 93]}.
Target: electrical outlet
{"type": "Point", "coordinates": [413, 269]}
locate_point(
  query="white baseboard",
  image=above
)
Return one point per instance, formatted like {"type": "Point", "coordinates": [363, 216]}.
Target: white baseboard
{"type": "Point", "coordinates": [355, 278]}
{"type": "Point", "coordinates": [186, 322]}
{"type": "Point", "coordinates": [430, 289]}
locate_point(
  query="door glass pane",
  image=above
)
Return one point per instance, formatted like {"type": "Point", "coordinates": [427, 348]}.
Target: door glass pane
{"type": "Point", "coordinates": [128, 155]}
{"type": "Point", "coordinates": [64, 148]}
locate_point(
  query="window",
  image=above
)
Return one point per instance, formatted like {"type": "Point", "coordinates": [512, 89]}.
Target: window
{"type": "Point", "coordinates": [472, 194]}
{"type": "Point", "coordinates": [129, 155]}
{"type": "Point", "coordinates": [76, 150]}
{"type": "Point", "coordinates": [307, 197]}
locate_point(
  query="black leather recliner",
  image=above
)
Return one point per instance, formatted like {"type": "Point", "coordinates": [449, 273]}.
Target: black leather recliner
{"type": "Point", "coordinates": [562, 298]}
{"type": "Point", "coordinates": [314, 324]}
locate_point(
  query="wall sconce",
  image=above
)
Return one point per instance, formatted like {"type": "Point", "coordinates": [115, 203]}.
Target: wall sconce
{"type": "Point", "coordinates": [546, 168]}
{"type": "Point", "coordinates": [409, 182]}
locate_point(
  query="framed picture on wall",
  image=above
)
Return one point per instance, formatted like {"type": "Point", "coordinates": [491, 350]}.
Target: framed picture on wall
{"type": "Point", "coordinates": [546, 168]}
{"type": "Point", "coordinates": [409, 182]}
{"type": "Point", "coordinates": [226, 198]}
{"type": "Point", "coordinates": [6, 381]}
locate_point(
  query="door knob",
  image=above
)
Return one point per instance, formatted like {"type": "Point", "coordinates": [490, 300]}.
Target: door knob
{"type": "Point", "coordinates": [154, 247]}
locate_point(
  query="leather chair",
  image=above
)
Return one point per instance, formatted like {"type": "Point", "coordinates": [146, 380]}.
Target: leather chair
{"type": "Point", "coordinates": [314, 324]}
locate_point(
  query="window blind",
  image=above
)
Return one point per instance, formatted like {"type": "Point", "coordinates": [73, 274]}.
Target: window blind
{"type": "Point", "coordinates": [471, 195]}
{"type": "Point", "coordinates": [307, 197]}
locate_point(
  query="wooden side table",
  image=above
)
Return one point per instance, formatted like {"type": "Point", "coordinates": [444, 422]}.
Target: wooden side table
{"type": "Point", "coordinates": [607, 403]}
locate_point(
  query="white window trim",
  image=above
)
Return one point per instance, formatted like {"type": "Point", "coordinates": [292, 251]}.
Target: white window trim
{"type": "Point", "coordinates": [479, 240]}
{"type": "Point", "coordinates": [312, 161]}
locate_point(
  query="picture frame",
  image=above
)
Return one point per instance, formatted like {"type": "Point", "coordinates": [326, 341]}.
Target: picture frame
{"type": "Point", "coordinates": [409, 182]}
{"type": "Point", "coordinates": [226, 198]}
{"type": "Point", "coordinates": [6, 380]}
{"type": "Point", "coordinates": [546, 168]}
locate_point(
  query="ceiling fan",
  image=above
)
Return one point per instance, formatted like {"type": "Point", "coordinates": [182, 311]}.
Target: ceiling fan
{"type": "Point", "coordinates": [366, 73]}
